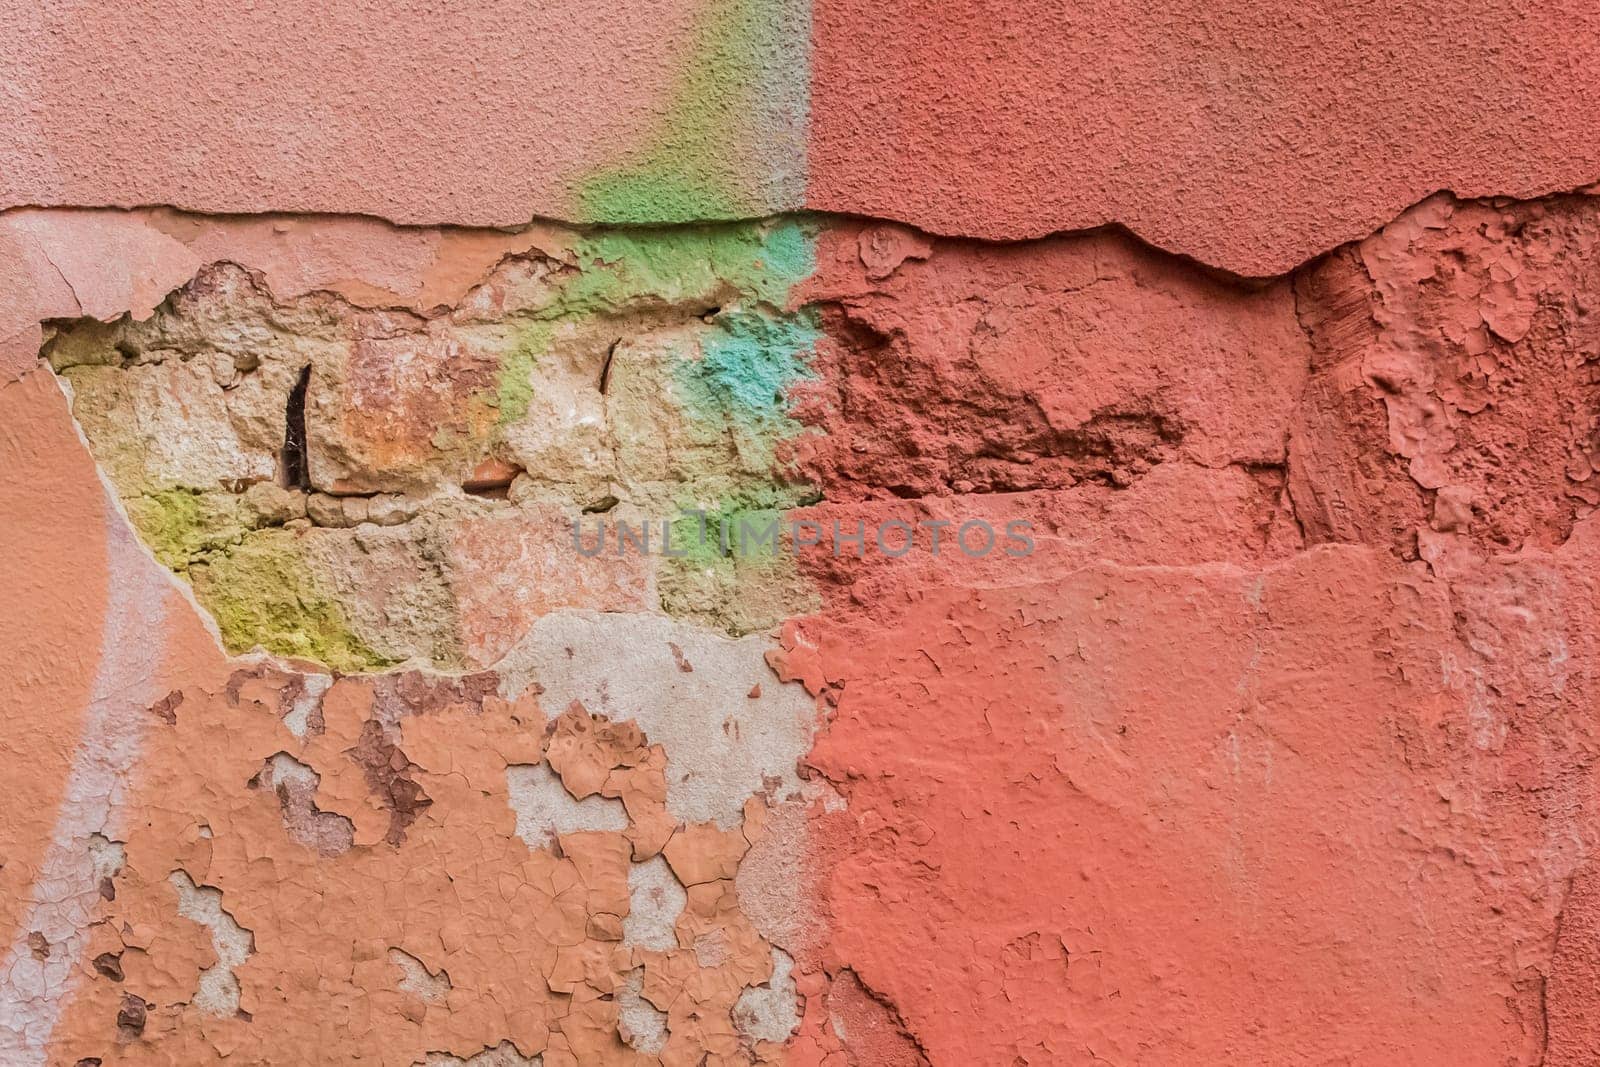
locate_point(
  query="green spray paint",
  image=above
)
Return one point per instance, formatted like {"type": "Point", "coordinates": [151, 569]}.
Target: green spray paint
{"type": "Point", "coordinates": [621, 271]}
{"type": "Point", "coordinates": [754, 262]}
{"type": "Point", "coordinates": [733, 142]}
{"type": "Point", "coordinates": [514, 384]}
{"type": "Point", "coordinates": [742, 378]}
{"type": "Point", "coordinates": [732, 385]}
{"type": "Point", "coordinates": [734, 578]}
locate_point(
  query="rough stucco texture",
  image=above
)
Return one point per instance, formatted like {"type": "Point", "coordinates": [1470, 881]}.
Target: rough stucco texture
{"type": "Point", "coordinates": [1249, 135]}
{"type": "Point", "coordinates": [343, 720]}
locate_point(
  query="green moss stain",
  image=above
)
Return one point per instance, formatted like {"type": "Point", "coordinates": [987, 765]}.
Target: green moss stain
{"type": "Point", "coordinates": [182, 526]}
{"type": "Point", "coordinates": [725, 387]}
{"type": "Point", "coordinates": [260, 593]}
{"type": "Point", "coordinates": [733, 141]}
{"type": "Point", "coordinates": [169, 522]}
{"type": "Point", "coordinates": [254, 582]}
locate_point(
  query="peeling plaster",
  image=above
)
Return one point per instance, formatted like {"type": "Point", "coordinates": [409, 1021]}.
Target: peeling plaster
{"type": "Point", "coordinates": [545, 810]}
{"type": "Point", "coordinates": [1323, 556]}
{"type": "Point", "coordinates": [218, 992]}
{"type": "Point", "coordinates": [655, 900]}
{"type": "Point", "coordinates": [722, 745]}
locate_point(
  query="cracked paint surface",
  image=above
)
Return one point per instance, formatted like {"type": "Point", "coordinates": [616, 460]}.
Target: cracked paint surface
{"type": "Point", "coordinates": [327, 743]}
{"type": "Point", "coordinates": [1276, 745]}
{"type": "Point", "coordinates": [517, 879]}
{"type": "Point", "coordinates": [440, 923]}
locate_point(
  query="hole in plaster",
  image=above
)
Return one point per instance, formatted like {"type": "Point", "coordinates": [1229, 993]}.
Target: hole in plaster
{"type": "Point", "coordinates": [294, 472]}
{"type": "Point", "coordinates": [605, 368]}
{"type": "Point", "coordinates": [131, 1017]}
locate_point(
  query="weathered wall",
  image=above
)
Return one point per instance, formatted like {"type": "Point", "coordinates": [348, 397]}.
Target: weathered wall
{"type": "Point", "coordinates": [1250, 135]}
{"type": "Point", "coordinates": [325, 743]}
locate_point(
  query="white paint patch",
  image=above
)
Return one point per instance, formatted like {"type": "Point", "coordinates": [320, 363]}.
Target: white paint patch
{"type": "Point", "coordinates": [688, 689]}
{"type": "Point", "coordinates": [545, 810]}
{"type": "Point", "coordinates": [65, 897]}
{"type": "Point", "coordinates": [218, 993]}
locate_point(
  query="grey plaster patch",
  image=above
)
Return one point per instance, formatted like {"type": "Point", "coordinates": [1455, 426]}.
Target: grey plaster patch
{"type": "Point", "coordinates": [655, 900]}
{"type": "Point", "coordinates": [770, 1012]}
{"type": "Point", "coordinates": [545, 810]}
{"type": "Point", "coordinates": [504, 1054]}
{"type": "Point", "coordinates": [689, 689]}
{"type": "Point", "coordinates": [642, 1025]}
{"type": "Point", "coordinates": [298, 720]}
{"type": "Point", "coordinates": [417, 979]}
{"type": "Point", "coordinates": [218, 993]}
